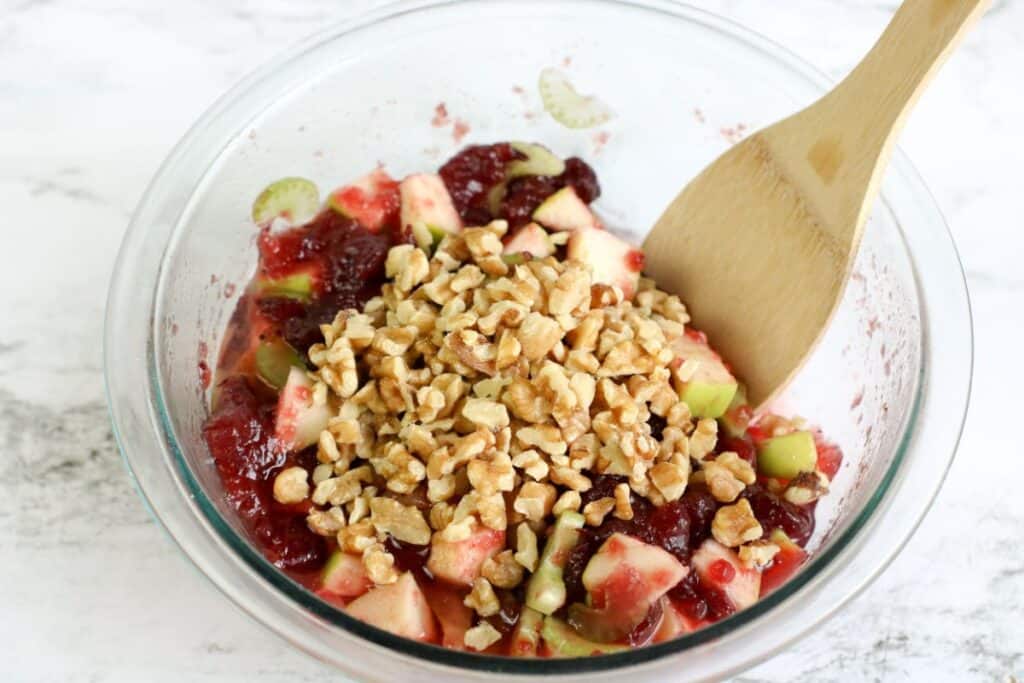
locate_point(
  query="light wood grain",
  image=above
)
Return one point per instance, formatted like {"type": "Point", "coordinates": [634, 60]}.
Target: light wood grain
{"type": "Point", "coordinates": [761, 243]}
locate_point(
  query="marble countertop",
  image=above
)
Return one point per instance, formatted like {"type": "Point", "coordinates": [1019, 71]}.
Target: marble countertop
{"type": "Point", "coordinates": [93, 94]}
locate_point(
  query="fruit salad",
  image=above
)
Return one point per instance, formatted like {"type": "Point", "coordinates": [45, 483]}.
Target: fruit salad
{"type": "Point", "coordinates": [452, 406]}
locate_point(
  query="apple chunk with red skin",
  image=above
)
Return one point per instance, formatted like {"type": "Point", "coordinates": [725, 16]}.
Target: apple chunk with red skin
{"type": "Point", "coordinates": [624, 579]}
{"type": "Point", "coordinates": [372, 201]}
{"type": "Point", "coordinates": [459, 562]}
{"type": "Point", "coordinates": [530, 239]}
{"type": "Point", "coordinates": [612, 261]}
{"type": "Point", "coordinates": [399, 608]}
{"type": "Point", "coordinates": [711, 388]}
{"type": "Point", "coordinates": [344, 576]}
{"type": "Point", "coordinates": [299, 420]}
{"type": "Point", "coordinates": [721, 568]}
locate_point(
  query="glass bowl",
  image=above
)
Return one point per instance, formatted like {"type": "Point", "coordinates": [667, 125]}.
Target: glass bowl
{"type": "Point", "coordinates": [890, 381]}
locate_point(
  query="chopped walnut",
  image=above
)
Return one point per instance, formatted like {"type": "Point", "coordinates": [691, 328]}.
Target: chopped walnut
{"type": "Point", "coordinates": [569, 500]}
{"type": "Point", "coordinates": [595, 511]}
{"type": "Point", "coordinates": [404, 522]}
{"type": "Point", "coordinates": [758, 554]}
{"type": "Point", "coordinates": [623, 506]}
{"type": "Point", "coordinates": [734, 525]}
{"type": "Point", "coordinates": [482, 598]}
{"type": "Point", "coordinates": [290, 486]}
{"type": "Point", "coordinates": [670, 479]}
{"type": "Point", "coordinates": [502, 570]}
{"type": "Point", "coordinates": [526, 547]}
{"type": "Point", "coordinates": [535, 500]}
{"type": "Point", "coordinates": [806, 487]}
{"type": "Point", "coordinates": [481, 636]}
{"type": "Point", "coordinates": [379, 565]}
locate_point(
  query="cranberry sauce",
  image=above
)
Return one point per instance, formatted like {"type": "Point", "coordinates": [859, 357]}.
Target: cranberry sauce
{"type": "Point", "coordinates": [239, 435]}
{"type": "Point", "coordinates": [472, 173]}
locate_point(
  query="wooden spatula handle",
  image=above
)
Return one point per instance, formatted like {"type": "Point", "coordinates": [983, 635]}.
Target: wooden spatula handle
{"type": "Point", "coordinates": [888, 81]}
{"type": "Point", "coordinates": [839, 146]}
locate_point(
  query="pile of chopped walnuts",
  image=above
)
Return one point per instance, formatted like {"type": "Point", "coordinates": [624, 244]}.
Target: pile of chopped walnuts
{"type": "Point", "coordinates": [475, 391]}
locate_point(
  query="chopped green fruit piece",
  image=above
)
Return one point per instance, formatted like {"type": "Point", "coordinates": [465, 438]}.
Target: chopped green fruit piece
{"type": "Point", "coordinates": [427, 208]}
{"type": "Point", "coordinates": [564, 210]}
{"type": "Point", "coordinates": [344, 576]}
{"type": "Point", "coordinates": [297, 286]}
{"type": "Point", "coordinates": [539, 161]}
{"type": "Point", "coordinates": [711, 387]}
{"type": "Point", "coordinates": [735, 420]}
{"type": "Point", "coordinates": [566, 105]}
{"type": "Point", "coordinates": [299, 419]}
{"type": "Point", "coordinates": [530, 239]}
{"type": "Point", "coordinates": [787, 456]}
{"type": "Point", "coordinates": [565, 642]}
{"type": "Point", "coordinates": [546, 590]}
{"type": "Point", "coordinates": [513, 259]}
{"type": "Point", "coordinates": [274, 360]}
{"type": "Point", "coordinates": [294, 199]}
{"type": "Point", "coordinates": [526, 637]}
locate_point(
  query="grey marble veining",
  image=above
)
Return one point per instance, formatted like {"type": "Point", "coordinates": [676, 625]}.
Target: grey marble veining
{"type": "Point", "coordinates": [93, 93]}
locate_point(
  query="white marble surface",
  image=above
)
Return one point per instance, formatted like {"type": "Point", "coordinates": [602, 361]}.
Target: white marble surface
{"type": "Point", "coordinates": [93, 93]}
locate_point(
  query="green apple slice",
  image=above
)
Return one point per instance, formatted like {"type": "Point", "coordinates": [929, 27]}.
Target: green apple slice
{"type": "Point", "coordinates": [539, 161]}
{"type": "Point", "coordinates": [274, 360]}
{"type": "Point", "coordinates": [294, 199]}
{"type": "Point", "coordinates": [787, 456]}
{"type": "Point", "coordinates": [711, 388]}
{"type": "Point", "coordinates": [564, 641]}
{"type": "Point", "coordinates": [564, 210]}
{"type": "Point", "coordinates": [546, 590]}
{"type": "Point", "coordinates": [567, 106]}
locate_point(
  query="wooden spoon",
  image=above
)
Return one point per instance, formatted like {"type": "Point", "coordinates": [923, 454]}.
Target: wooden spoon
{"type": "Point", "coordinates": [761, 243]}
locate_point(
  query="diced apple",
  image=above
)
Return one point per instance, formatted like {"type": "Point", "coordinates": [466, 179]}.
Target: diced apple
{"type": "Point", "coordinates": [373, 200]}
{"type": "Point", "coordinates": [299, 421]}
{"type": "Point", "coordinates": [459, 562]}
{"type": "Point", "coordinates": [530, 239]}
{"type": "Point", "coordinates": [455, 618]}
{"type": "Point", "coordinates": [546, 590]}
{"type": "Point", "coordinates": [344, 576]}
{"type": "Point", "coordinates": [675, 622]}
{"type": "Point", "coordinates": [612, 261]}
{"type": "Point", "coordinates": [625, 571]}
{"type": "Point", "coordinates": [736, 418]}
{"type": "Point", "coordinates": [787, 456]}
{"type": "Point", "coordinates": [785, 564]}
{"type": "Point", "coordinates": [399, 608]}
{"type": "Point", "coordinates": [427, 208]}
{"type": "Point", "coordinates": [710, 388]}
{"type": "Point", "coordinates": [564, 210]}
{"type": "Point", "coordinates": [720, 568]}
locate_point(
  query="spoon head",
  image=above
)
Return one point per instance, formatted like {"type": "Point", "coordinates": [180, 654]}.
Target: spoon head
{"type": "Point", "coordinates": [759, 269]}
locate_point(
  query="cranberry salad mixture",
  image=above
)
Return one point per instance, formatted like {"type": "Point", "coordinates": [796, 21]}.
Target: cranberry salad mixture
{"type": "Point", "coordinates": [452, 407]}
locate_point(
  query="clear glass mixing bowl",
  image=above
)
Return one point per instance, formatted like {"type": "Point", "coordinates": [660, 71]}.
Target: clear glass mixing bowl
{"type": "Point", "coordinates": [890, 382]}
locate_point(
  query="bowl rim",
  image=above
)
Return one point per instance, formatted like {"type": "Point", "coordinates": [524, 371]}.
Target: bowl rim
{"type": "Point", "coordinates": [819, 568]}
